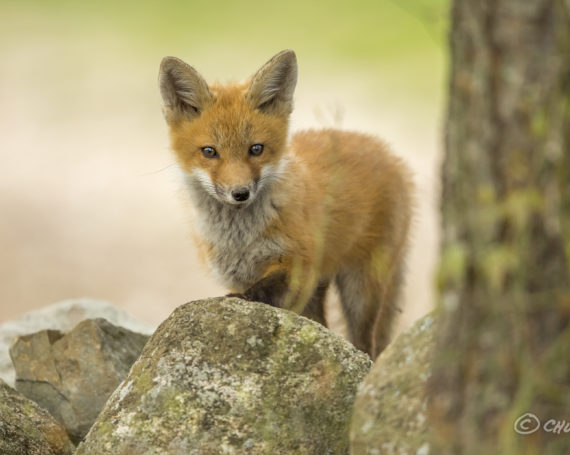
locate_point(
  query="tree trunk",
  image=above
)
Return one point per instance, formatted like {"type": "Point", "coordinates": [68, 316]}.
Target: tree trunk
{"type": "Point", "coordinates": [504, 343]}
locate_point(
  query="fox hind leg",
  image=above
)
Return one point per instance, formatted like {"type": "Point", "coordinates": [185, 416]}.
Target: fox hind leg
{"type": "Point", "coordinates": [315, 307]}
{"type": "Point", "coordinates": [387, 312]}
{"type": "Point", "coordinates": [369, 307]}
{"type": "Point", "coordinates": [356, 299]}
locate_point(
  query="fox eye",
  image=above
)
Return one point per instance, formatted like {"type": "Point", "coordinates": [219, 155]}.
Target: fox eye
{"type": "Point", "coordinates": [209, 152]}
{"type": "Point", "coordinates": [256, 149]}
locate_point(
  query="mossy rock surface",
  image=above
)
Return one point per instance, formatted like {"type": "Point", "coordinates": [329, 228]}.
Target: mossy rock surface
{"type": "Point", "coordinates": [390, 412]}
{"type": "Point", "coordinates": [27, 429]}
{"type": "Point", "coordinates": [72, 375]}
{"type": "Point", "coordinates": [225, 376]}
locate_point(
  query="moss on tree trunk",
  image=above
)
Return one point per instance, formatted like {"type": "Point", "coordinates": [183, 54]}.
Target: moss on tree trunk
{"type": "Point", "coordinates": [504, 276]}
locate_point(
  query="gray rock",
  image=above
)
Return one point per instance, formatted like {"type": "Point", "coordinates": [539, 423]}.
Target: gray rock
{"type": "Point", "coordinates": [73, 375]}
{"type": "Point", "coordinates": [226, 376]}
{"type": "Point", "coordinates": [390, 412]}
{"type": "Point", "coordinates": [27, 429]}
{"type": "Point", "coordinates": [61, 316]}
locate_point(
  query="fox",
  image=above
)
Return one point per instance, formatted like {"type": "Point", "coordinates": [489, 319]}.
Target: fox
{"type": "Point", "coordinates": [279, 217]}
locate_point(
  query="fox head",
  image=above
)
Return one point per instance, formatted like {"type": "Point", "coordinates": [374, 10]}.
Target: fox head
{"type": "Point", "coordinates": [229, 139]}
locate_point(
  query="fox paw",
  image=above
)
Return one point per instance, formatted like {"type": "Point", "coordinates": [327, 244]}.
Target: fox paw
{"type": "Point", "coordinates": [237, 295]}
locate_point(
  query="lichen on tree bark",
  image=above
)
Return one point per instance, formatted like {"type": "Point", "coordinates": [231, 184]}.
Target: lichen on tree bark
{"type": "Point", "coordinates": [504, 276]}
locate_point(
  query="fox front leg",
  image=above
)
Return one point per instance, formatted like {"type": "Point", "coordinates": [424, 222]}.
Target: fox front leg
{"type": "Point", "coordinates": [273, 289]}
{"type": "Point", "coordinates": [270, 290]}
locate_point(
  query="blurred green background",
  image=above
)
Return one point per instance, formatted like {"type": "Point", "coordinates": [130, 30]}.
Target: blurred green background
{"type": "Point", "coordinates": [89, 197]}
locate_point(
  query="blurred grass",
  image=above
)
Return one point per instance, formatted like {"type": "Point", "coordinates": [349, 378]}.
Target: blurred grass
{"type": "Point", "coordinates": [366, 33]}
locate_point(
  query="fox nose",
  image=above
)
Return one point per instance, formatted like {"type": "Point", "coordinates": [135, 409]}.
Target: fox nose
{"type": "Point", "coordinates": [241, 194]}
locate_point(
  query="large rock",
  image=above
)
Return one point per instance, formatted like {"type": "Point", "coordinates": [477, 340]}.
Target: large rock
{"type": "Point", "coordinates": [61, 316]}
{"type": "Point", "coordinates": [390, 412]}
{"type": "Point", "coordinates": [27, 429]}
{"type": "Point", "coordinates": [223, 375]}
{"type": "Point", "coordinates": [73, 375]}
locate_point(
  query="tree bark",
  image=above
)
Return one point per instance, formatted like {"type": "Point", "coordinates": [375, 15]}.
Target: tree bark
{"type": "Point", "coordinates": [504, 342]}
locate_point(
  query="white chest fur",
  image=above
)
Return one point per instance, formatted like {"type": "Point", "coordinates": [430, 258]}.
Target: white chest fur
{"type": "Point", "coordinates": [241, 249]}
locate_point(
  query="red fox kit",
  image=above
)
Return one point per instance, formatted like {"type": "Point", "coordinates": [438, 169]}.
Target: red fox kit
{"type": "Point", "coordinates": [278, 219]}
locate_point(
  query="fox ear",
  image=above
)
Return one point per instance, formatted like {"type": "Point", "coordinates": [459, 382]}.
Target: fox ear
{"type": "Point", "coordinates": [184, 92]}
{"type": "Point", "coordinates": [271, 88]}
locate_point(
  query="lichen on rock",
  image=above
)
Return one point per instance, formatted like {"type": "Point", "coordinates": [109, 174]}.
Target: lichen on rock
{"type": "Point", "coordinates": [72, 375]}
{"type": "Point", "coordinates": [25, 428]}
{"type": "Point", "coordinates": [223, 375]}
{"type": "Point", "coordinates": [390, 411]}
